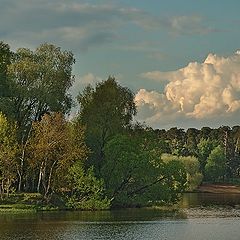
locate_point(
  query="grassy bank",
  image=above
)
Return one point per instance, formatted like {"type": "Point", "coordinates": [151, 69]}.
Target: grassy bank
{"type": "Point", "coordinates": [25, 202]}
{"type": "Point", "coordinates": [34, 202]}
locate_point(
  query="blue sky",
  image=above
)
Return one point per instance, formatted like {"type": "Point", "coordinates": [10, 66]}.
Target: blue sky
{"type": "Point", "coordinates": [150, 46]}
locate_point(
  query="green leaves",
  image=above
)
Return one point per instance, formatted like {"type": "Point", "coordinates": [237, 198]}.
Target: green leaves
{"type": "Point", "coordinates": [87, 192]}
{"type": "Point", "coordinates": [106, 111]}
{"type": "Point", "coordinates": [8, 154]}
{"type": "Point", "coordinates": [191, 166]}
{"type": "Point", "coordinates": [134, 173]}
{"type": "Point", "coordinates": [5, 59]}
{"type": "Point", "coordinates": [216, 164]}
{"type": "Point", "coordinates": [38, 82]}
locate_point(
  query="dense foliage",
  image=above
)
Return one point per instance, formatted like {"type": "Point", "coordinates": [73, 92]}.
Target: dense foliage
{"type": "Point", "coordinates": [126, 178]}
{"type": "Point", "coordinates": [102, 158]}
{"type": "Point", "coordinates": [105, 110]}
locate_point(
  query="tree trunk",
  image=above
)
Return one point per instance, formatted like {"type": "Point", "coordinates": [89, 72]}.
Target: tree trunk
{"type": "Point", "coordinates": [24, 144]}
{"type": "Point", "coordinates": [1, 192]}
{"type": "Point", "coordinates": [8, 187]}
{"type": "Point", "coordinates": [49, 179]}
{"type": "Point", "coordinates": [40, 177]}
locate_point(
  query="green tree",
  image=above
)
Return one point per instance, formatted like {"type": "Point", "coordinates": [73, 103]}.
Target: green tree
{"type": "Point", "coordinates": [226, 136]}
{"type": "Point", "coordinates": [192, 167]}
{"type": "Point", "coordinates": [205, 133]}
{"type": "Point", "coordinates": [191, 141]}
{"type": "Point", "coordinates": [8, 155]}
{"type": "Point", "coordinates": [105, 110]}
{"type": "Point", "coordinates": [205, 146]}
{"type": "Point", "coordinates": [236, 150]}
{"type": "Point", "coordinates": [39, 81]}
{"type": "Point", "coordinates": [87, 192]}
{"type": "Point", "coordinates": [135, 174]}
{"type": "Point", "coordinates": [5, 60]}
{"type": "Point", "coordinates": [176, 139]}
{"type": "Point", "coordinates": [216, 164]}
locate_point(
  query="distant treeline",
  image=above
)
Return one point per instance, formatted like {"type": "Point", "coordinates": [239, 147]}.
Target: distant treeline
{"type": "Point", "coordinates": [101, 158]}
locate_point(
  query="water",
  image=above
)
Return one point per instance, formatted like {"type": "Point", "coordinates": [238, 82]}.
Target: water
{"type": "Point", "coordinates": [130, 224]}
{"type": "Point", "coordinates": [206, 199]}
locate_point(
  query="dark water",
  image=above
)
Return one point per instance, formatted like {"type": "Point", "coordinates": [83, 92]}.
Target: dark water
{"type": "Point", "coordinates": [128, 224]}
{"type": "Point", "coordinates": [206, 199]}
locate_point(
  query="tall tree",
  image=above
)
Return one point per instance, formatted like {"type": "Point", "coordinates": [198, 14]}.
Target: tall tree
{"type": "Point", "coordinates": [54, 147]}
{"type": "Point", "coordinates": [216, 164]}
{"type": "Point", "coordinates": [5, 59]}
{"type": "Point", "coordinates": [39, 82]}
{"type": "Point", "coordinates": [176, 139]}
{"type": "Point", "coordinates": [191, 141]}
{"type": "Point", "coordinates": [8, 155]}
{"type": "Point", "coordinates": [205, 146]}
{"type": "Point", "coordinates": [106, 110]}
{"type": "Point", "coordinates": [236, 149]}
{"type": "Point", "coordinates": [204, 133]}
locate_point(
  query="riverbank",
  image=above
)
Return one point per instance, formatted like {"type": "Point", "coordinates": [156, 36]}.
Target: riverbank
{"type": "Point", "coordinates": [25, 202]}
{"type": "Point", "coordinates": [212, 212]}
{"type": "Point", "coordinates": [205, 195]}
{"type": "Point", "coordinates": [218, 188]}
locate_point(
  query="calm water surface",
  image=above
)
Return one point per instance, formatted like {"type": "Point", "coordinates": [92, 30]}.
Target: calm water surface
{"type": "Point", "coordinates": [206, 199]}
{"type": "Point", "coordinates": [130, 224]}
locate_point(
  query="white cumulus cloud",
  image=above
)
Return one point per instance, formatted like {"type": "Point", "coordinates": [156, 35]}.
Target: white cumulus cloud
{"type": "Point", "coordinates": [204, 92]}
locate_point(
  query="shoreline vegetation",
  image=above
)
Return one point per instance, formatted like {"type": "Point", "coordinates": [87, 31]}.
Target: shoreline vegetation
{"type": "Point", "coordinates": [102, 158]}
{"type": "Point", "coordinates": [32, 202]}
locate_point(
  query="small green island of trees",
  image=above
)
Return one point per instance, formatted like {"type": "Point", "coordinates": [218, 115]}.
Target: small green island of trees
{"type": "Point", "coordinates": [102, 158]}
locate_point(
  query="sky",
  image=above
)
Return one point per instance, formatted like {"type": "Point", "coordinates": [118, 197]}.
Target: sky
{"type": "Point", "coordinates": [180, 57]}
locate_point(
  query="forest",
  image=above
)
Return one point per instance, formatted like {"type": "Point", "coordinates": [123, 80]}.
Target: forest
{"type": "Point", "coordinates": [102, 158]}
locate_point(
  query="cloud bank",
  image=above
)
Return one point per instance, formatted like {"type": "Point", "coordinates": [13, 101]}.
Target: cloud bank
{"type": "Point", "coordinates": [81, 24]}
{"type": "Point", "coordinates": [207, 93]}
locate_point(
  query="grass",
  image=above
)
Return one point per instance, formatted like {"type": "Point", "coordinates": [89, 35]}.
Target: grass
{"type": "Point", "coordinates": [14, 208]}
{"type": "Point", "coordinates": [24, 202]}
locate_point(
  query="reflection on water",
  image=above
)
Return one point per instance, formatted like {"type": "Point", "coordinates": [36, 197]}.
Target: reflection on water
{"type": "Point", "coordinates": [206, 199]}
{"type": "Point", "coordinates": [139, 224]}
{"type": "Point", "coordinates": [56, 227]}
{"type": "Point", "coordinates": [125, 215]}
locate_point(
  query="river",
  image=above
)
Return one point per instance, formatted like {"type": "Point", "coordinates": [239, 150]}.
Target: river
{"type": "Point", "coordinates": [197, 220]}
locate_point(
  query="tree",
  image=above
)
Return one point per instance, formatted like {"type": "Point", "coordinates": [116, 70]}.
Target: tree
{"type": "Point", "coordinates": [205, 146]}
{"type": "Point", "coordinates": [216, 164]}
{"type": "Point", "coordinates": [136, 175]}
{"type": "Point", "coordinates": [106, 111]}
{"type": "Point", "coordinates": [205, 133]}
{"type": "Point", "coordinates": [192, 167]}
{"type": "Point", "coordinates": [226, 136]}
{"type": "Point", "coordinates": [236, 150]}
{"type": "Point", "coordinates": [54, 147]}
{"type": "Point", "coordinates": [8, 154]}
{"type": "Point", "coordinates": [87, 192]}
{"type": "Point", "coordinates": [191, 141]}
{"type": "Point", "coordinates": [5, 60]}
{"type": "Point", "coordinates": [176, 139]}
{"type": "Point", "coordinates": [39, 81]}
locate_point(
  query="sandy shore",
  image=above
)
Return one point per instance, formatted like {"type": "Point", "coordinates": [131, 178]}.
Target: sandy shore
{"type": "Point", "coordinates": [219, 188]}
